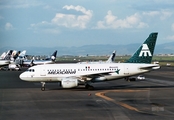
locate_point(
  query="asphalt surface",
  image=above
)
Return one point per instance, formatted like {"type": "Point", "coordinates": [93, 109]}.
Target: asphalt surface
{"type": "Point", "coordinates": [151, 99]}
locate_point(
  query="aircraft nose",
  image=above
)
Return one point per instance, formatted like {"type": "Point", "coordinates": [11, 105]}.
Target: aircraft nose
{"type": "Point", "coordinates": [23, 76]}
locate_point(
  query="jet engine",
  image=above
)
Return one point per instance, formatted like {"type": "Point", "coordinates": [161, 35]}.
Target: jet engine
{"type": "Point", "coordinates": [69, 82]}
{"type": "Point", "coordinates": [98, 79]}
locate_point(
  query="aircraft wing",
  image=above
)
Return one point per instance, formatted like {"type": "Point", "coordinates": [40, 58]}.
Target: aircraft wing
{"type": "Point", "coordinates": [91, 77]}
{"type": "Point", "coordinates": [97, 74]}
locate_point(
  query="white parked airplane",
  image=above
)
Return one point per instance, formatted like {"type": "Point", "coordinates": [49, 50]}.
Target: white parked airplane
{"type": "Point", "coordinates": [5, 58]}
{"type": "Point", "coordinates": [17, 62]}
{"type": "Point", "coordinates": [70, 75]}
{"type": "Point", "coordinates": [4, 63]}
{"type": "Point", "coordinates": [40, 62]}
{"type": "Point", "coordinates": [2, 55]}
{"type": "Point", "coordinates": [110, 59]}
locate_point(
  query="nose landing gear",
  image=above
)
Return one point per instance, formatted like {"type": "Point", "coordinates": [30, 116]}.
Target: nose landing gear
{"type": "Point", "coordinates": [90, 87]}
{"type": "Point", "coordinates": [43, 86]}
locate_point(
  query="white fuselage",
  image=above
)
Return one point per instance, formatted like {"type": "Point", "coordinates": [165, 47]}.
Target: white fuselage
{"type": "Point", "coordinates": [38, 62]}
{"type": "Point", "coordinates": [4, 62]}
{"type": "Point", "coordinates": [56, 72]}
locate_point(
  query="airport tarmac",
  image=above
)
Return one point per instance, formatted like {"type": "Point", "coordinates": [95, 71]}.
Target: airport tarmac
{"type": "Point", "coordinates": [151, 99]}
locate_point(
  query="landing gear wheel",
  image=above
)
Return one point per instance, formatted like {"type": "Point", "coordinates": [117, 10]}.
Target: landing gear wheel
{"type": "Point", "coordinates": [90, 87]}
{"type": "Point", "coordinates": [43, 88]}
{"type": "Point", "coordinates": [127, 79]}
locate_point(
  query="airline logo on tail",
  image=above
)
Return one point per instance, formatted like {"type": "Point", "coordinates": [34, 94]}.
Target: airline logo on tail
{"type": "Point", "coordinates": [144, 51]}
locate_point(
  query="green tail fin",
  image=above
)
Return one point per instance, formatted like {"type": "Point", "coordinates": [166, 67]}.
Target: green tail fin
{"type": "Point", "coordinates": [145, 53]}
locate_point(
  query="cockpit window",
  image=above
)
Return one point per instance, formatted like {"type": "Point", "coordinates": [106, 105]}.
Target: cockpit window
{"type": "Point", "coordinates": [30, 70]}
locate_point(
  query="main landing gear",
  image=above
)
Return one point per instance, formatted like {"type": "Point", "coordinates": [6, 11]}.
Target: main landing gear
{"type": "Point", "coordinates": [43, 86]}
{"type": "Point", "coordinates": [90, 87]}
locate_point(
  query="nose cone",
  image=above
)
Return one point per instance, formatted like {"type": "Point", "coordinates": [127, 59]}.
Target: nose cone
{"type": "Point", "coordinates": [23, 76]}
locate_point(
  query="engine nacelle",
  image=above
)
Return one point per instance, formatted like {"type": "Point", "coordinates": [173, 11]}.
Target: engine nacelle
{"type": "Point", "coordinates": [69, 83]}
{"type": "Point", "coordinates": [99, 79]}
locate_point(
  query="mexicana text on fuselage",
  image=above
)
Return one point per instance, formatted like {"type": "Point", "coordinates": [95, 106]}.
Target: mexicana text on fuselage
{"type": "Point", "coordinates": [58, 71]}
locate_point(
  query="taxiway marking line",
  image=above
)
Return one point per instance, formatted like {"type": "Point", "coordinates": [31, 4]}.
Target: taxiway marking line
{"type": "Point", "coordinates": [102, 95]}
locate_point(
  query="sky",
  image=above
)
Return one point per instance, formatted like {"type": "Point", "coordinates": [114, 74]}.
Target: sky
{"type": "Point", "coordinates": [51, 23]}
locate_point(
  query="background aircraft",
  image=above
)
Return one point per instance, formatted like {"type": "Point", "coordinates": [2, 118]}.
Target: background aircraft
{"type": "Point", "coordinates": [2, 56]}
{"type": "Point", "coordinates": [39, 62]}
{"type": "Point", "coordinates": [17, 62]}
{"type": "Point", "coordinates": [110, 59]}
{"type": "Point", "coordinates": [6, 58]}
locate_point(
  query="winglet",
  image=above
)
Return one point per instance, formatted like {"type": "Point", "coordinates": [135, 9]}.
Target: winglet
{"type": "Point", "coordinates": [145, 53]}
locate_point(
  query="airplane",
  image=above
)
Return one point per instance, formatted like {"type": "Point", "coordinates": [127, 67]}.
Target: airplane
{"type": "Point", "coordinates": [110, 59]}
{"type": "Point", "coordinates": [6, 57]}
{"type": "Point", "coordinates": [40, 62]}
{"type": "Point", "coordinates": [20, 58]}
{"type": "Point", "coordinates": [14, 55]}
{"type": "Point", "coordinates": [4, 63]}
{"type": "Point", "coordinates": [2, 56]}
{"type": "Point", "coordinates": [72, 74]}
{"type": "Point", "coordinates": [17, 61]}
